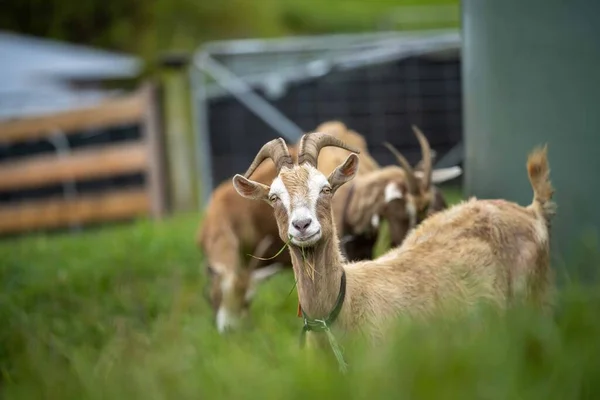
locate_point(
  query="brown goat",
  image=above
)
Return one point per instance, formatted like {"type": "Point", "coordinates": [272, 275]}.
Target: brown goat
{"type": "Point", "coordinates": [377, 193]}
{"type": "Point", "coordinates": [400, 195]}
{"type": "Point", "coordinates": [476, 251]}
{"type": "Point", "coordinates": [233, 227]}
{"type": "Point", "coordinates": [411, 196]}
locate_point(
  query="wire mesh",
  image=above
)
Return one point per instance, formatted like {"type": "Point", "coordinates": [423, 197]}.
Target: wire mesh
{"type": "Point", "coordinates": [377, 84]}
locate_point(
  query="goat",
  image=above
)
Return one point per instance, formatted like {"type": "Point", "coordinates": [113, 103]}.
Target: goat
{"type": "Point", "coordinates": [233, 226]}
{"type": "Point", "coordinates": [357, 229]}
{"type": "Point", "coordinates": [411, 196]}
{"type": "Point", "coordinates": [377, 193]}
{"type": "Point", "coordinates": [400, 195]}
{"type": "Point", "coordinates": [475, 251]}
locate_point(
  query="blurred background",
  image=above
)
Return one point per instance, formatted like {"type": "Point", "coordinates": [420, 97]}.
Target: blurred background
{"type": "Point", "coordinates": [112, 110]}
{"type": "Point", "coordinates": [124, 115]}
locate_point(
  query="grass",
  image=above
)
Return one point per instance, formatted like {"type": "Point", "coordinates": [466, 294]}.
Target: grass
{"type": "Point", "coordinates": [183, 24]}
{"type": "Point", "coordinates": [118, 313]}
{"type": "Point", "coordinates": [310, 16]}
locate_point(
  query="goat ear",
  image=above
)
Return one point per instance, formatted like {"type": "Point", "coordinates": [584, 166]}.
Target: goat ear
{"type": "Point", "coordinates": [441, 175]}
{"type": "Point", "coordinates": [392, 191]}
{"type": "Point", "coordinates": [264, 273]}
{"type": "Point", "coordinates": [250, 189]}
{"type": "Point", "coordinates": [344, 172]}
{"type": "Point", "coordinates": [445, 174]}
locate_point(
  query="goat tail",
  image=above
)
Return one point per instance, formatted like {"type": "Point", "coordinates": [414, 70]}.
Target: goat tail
{"type": "Point", "coordinates": [539, 177]}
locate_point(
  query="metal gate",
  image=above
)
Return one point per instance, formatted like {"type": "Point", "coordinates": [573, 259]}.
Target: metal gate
{"type": "Point", "coordinates": [246, 92]}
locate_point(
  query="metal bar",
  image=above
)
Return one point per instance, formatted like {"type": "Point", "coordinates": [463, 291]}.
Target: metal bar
{"type": "Point", "coordinates": [291, 44]}
{"type": "Point", "coordinates": [244, 93]}
{"type": "Point", "coordinates": [202, 134]}
{"type": "Point", "coordinates": [405, 49]}
{"type": "Point", "coordinates": [310, 43]}
{"type": "Point", "coordinates": [387, 52]}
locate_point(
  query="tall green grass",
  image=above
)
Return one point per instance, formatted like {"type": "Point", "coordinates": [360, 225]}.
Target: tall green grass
{"type": "Point", "coordinates": [119, 314]}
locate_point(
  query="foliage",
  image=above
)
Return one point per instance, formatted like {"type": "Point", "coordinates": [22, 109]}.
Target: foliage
{"type": "Point", "coordinates": [119, 313]}
{"type": "Point", "coordinates": [148, 27]}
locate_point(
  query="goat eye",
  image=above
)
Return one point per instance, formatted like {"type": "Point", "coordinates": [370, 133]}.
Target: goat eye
{"type": "Point", "coordinates": [273, 198]}
{"type": "Point", "coordinates": [326, 190]}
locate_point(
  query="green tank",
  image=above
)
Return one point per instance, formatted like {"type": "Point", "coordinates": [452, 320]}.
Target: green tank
{"type": "Point", "coordinates": [531, 75]}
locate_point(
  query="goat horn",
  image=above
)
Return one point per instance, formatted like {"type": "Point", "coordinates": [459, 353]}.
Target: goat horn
{"type": "Point", "coordinates": [411, 180]}
{"type": "Point", "coordinates": [277, 151]}
{"type": "Point", "coordinates": [425, 156]}
{"type": "Point", "coordinates": [419, 166]}
{"type": "Point", "coordinates": [312, 143]}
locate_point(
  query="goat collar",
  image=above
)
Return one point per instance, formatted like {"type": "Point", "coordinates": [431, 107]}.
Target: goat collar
{"type": "Point", "coordinates": [317, 325]}
{"type": "Point", "coordinates": [324, 325]}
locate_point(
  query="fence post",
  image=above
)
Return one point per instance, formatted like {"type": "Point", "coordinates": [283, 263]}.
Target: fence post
{"type": "Point", "coordinates": [201, 129]}
{"type": "Point", "coordinates": [178, 132]}
{"type": "Point", "coordinates": [156, 183]}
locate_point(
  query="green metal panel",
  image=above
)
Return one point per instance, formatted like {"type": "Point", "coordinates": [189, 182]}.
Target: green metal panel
{"type": "Point", "coordinates": [531, 75]}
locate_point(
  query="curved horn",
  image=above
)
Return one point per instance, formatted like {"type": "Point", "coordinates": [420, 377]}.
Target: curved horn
{"type": "Point", "coordinates": [419, 166]}
{"type": "Point", "coordinates": [276, 150]}
{"type": "Point", "coordinates": [312, 143]}
{"type": "Point", "coordinates": [411, 180]}
{"type": "Point", "coordinates": [425, 157]}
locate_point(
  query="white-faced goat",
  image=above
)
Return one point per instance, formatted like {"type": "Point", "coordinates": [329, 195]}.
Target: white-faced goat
{"type": "Point", "coordinates": [478, 250]}
{"type": "Point", "coordinates": [233, 227]}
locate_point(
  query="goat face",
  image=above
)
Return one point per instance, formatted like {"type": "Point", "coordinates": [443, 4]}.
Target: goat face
{"type": "Point", "coordinates": [409, 200]}
{"type": "Point", "coordinates": [404, 210]}
{"type": "Point", "coordinates": [301, 198]}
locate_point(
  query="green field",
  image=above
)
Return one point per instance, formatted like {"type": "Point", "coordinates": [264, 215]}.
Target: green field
{"type": "Point", "coordinates": [119, 314]}
{"type": "Point", "coordinates": [148, 28]}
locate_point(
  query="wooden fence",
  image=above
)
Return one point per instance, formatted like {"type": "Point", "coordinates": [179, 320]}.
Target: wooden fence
{"type": "Point", "coordinates": [143, 155]}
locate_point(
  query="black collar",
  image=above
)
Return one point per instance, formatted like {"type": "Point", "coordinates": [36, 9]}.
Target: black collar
{"type": "Point", "coordinates": [318, 325]}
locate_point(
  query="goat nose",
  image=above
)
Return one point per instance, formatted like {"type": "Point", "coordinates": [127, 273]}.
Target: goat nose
{"type": "Point", "coordinates": [302, 224]}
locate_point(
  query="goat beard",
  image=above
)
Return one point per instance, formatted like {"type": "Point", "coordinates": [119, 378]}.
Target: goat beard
{"type": "Point", "coordinates": [309, 269]}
